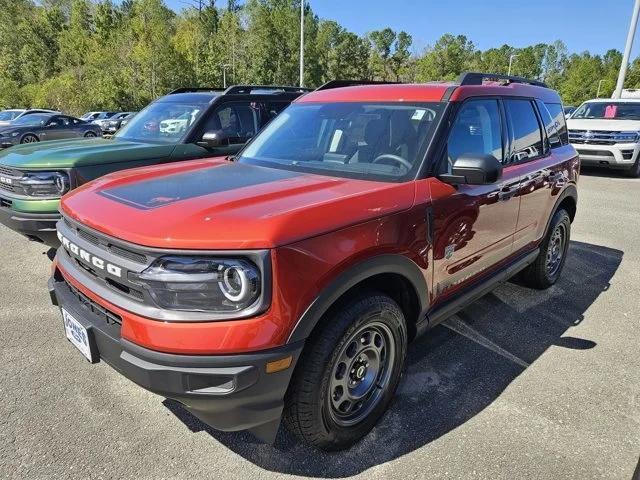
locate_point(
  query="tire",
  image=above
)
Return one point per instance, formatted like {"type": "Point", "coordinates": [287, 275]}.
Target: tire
{"type": "Point", "coordinates": [90, 135]}
{"type": "Point", "coordinates": [29, 138]}
{"type": "Point", "coordinates": [323, 381]}
{"type": "Point", "coordinates": [634, 172]}
{"type": "Point", "coordinates": [547, 267]}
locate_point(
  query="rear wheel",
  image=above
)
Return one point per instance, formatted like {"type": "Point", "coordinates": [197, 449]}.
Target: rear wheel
{"type": "Point", "coordinates": [29, 138]}
{"type": "Point", "coordinates": [348, 373]}
{"type": "Point", "coordinates": [547, 268]}
{"type": "Point", "coordinates": [89, 135]}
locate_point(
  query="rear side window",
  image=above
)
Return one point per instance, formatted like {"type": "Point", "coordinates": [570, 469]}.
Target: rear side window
{"type": "Point", "coordinates": [476, 130]}
{"type": "Point", "coordinates": [549, 125]}
{"type": "Point", "coordinates": [271, 111]}
{"type": "Point", "coordinates": [557, 113]}
{"type": "Point", "coordinates": [525, 129]}
{"type": "Point", "coordinates": [238, 121]}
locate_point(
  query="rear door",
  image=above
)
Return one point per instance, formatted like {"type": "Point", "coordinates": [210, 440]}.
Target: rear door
{"type": "Point", "coordinates": [473, 224]}
{"type": "Point", "coordinates": [533, 141]}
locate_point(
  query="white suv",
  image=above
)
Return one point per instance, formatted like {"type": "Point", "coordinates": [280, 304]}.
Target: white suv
{"type": "Point", "coordinates": [606, 133]}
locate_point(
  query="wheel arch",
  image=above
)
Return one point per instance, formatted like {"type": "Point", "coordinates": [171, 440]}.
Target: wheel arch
{"type": "Point", "coordinates": [391, 274]}
{"type": "Point", "coordinates": [568, 200]}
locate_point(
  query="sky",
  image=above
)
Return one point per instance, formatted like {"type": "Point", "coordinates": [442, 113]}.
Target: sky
{"type": "Point", "coordinates": [593, 25]}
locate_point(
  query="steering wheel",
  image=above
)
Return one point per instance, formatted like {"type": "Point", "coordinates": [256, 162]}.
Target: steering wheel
{"type": "Point", "coordinates": [395, 158]}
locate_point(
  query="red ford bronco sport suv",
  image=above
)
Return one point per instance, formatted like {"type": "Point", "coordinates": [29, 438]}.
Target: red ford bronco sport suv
{"type": "Point", "coordinates": [288, 281]}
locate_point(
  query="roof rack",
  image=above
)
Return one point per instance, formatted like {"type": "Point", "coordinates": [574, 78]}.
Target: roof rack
{"type": "Point", "coordinates": [195, 89]}
{"type": "Point", "coordinates": [476, 78]}
{"type": "Point", "coordinates": [245, 89]}
{"type": "Point", "coordinates": [351, 83]}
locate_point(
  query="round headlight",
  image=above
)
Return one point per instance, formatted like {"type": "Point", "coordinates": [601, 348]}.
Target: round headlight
{"type": "Point", "coordinates": [235, 285]}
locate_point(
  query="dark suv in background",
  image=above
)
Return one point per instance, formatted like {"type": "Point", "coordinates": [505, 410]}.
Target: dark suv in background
{"type": "Point", "coordinates": [188, 123]}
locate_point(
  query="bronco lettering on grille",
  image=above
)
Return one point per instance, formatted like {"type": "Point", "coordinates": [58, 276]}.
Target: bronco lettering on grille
{"type": "Point", "coordinates": [90, 258]}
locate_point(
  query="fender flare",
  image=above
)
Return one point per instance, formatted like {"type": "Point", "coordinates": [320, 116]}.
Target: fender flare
{"type": "Point", "coordinates": [570, 191]}
{"type": "Point", "coordinates": [387, 263]}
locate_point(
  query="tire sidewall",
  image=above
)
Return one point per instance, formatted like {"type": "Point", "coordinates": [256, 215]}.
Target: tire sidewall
{"type": "Point", "coordinates": [340, 435]}
{"type": "Point", "coordinates": [560, 217]}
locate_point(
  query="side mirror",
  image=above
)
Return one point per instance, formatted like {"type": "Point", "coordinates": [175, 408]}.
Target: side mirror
{"type": "Point", "coordinates": [474, 169]}
{"type": "Point", "coordinates": [213, 139]}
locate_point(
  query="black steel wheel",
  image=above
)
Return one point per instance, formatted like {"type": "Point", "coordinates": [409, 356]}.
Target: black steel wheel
{"type": "Point", "coordinates": [547, 267]}
{"type": "Point", "coordinates": [348, 372]}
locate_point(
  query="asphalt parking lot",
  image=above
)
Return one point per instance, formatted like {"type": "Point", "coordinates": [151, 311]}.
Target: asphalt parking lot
{"type": "Point", "coordinates": [522, 384]}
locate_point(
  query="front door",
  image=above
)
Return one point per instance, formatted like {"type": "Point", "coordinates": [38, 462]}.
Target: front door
{"type": "Point", "coordinates": [473, 225]}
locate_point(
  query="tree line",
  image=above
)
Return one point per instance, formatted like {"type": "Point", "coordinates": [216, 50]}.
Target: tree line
{"type": "Point", "coordinates": [79, 55]}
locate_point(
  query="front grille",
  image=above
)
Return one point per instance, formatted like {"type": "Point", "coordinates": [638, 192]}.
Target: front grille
{"type": "Point", "coordinates": [595, 137]}
{"type": "Point", "coordinates": [109, 317]}
{"type": "Point", "coordinates": [12, 175]}
{"type": "Point", "coordinates": [123, 252]}
{"type": "Point", "coordinates": [10, 172]}
{"type": "Point", "coordinates": [113, 284]}
{"type": "Point", "coordinates": [5, 203]}
{"type": "Point", "coordinates": [88, 237]}
{"type": "Point", "coordinates": [105, 244]}
{"type": "Point", "coordinates": [8, 188]}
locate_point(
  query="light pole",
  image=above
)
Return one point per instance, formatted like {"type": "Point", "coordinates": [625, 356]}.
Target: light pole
{"type": "Point", "coordinates": [511, 57]}
{"type": "Point", "coordinates": [627, 51]}
{"type": "Point", "coordinates": [301, 43]}
{"type": "Point", "coordinates": [224, 75]}
{"type": "Point", "coordinates": [599, 85]}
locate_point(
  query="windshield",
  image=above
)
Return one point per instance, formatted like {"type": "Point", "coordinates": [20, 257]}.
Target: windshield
{"type": "Point", "coordinates": [162, 121]}
{"type": "Point", "coordinates": [9, 114]}
{"type": "Point", "coordinates": [370, 141]}
{"type": "Point", "coordinates": [608, 110]}
{"type": "Point", "coordinates": [32, 119]}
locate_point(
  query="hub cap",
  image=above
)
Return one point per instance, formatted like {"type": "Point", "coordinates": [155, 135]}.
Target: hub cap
{"type": "Point", "coordinates": [361, 373]}
{"type": "Point", "coordinates": [555, 250]}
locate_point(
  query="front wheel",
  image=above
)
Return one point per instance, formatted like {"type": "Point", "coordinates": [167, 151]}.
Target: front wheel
{"type": "Point", "coordinates": [634, 172]}
{"type": "Point", "coordinates": [348, 373]}
{"type": "Point", "coordinates": [546, 269]}
{"type": "Point", "coordinates": [89, 135]}
{"type": "Point", "coordinates": [29, 138]}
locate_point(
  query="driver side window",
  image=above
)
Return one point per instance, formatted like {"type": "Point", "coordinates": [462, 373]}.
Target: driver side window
{"type": "Point", "coordinates": [238, 121]}
{"type": "Point", "coordinates": [476, 130]}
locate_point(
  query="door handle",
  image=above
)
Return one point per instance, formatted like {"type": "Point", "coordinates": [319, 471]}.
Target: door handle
{"type": "Point", "coordinates": [506, 192]}
{"type": "Point", "coordinates": [554, 177]}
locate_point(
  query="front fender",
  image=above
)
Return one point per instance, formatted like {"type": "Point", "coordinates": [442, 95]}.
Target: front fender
{"type": "Point", "coordinates": [388, 263]}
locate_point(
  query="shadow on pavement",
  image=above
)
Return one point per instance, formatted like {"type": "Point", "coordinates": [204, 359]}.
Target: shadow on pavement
{"type": "Point", "coordinates": [453, 372]}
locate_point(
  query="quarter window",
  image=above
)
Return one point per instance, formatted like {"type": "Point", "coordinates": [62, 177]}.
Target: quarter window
{"type": "Point", "coordinates": [527, 138]}
{"type": "Point", "coordinates": [557, 113]}
{"type": "Point", "coordinates": [476, 130]}
{"type": "Point", "coordinates": [549, 125]}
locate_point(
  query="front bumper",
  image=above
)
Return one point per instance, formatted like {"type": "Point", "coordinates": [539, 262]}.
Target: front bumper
{"type": "Point", "coordinates": [228, 392]}
{"type": "Point", "coordinates": [40, 227]}
{"type": "Point", "coordinates": [620, 155]}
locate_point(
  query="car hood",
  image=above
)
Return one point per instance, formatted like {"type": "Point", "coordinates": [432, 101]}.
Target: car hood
{"type": "Point", "coordinates": [602, 124]}
{"type": "Point", "coordinates": [214, 204]}
{"type": "Point", "coordinates": [81, 152]}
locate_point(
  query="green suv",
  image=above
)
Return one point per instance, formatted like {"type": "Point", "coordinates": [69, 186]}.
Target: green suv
{"type": "Point", "coordinates": [186, 124]}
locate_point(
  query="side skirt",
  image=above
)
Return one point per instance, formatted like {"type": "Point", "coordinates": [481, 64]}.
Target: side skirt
{"type": "Point", "coordinates": [442, 312]}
